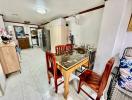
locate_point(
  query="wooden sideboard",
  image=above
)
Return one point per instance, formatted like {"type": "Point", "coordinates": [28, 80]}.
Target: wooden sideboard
{"type": "Point", "coordinates": [9, 58]}
{"type": "Point", "coordinates": [24, 42]}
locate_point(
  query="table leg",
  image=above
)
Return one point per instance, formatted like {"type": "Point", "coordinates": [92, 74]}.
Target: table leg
{"type": "Point", "coordinates": [66, 84]}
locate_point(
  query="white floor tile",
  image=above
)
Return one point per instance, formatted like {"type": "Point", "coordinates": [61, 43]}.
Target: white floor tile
{"type": "Point", "coordinates": [32, 83]}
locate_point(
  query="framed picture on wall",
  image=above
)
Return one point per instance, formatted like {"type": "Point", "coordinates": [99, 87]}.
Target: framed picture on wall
{"type": "Point", "coordinates": [33, 31]}
{"type": "Point", "coordinates": [34, 36]}
{"type": "Point", "coordinates": [19, 31]}
{"type": "Point", "coordinates": [130, 25]}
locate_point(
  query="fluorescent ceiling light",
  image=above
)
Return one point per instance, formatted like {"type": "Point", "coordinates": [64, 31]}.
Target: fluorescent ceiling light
{"type": "Point", "coordinates": [41, 10]}
{"type": "Point", "coordinates": [40, 7]}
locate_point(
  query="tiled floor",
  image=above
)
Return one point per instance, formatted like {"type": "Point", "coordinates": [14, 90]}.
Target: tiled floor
{"type": "Point", "coordinates": [32, 83]}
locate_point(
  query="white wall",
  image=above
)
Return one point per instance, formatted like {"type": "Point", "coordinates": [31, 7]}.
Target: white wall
{"type": "Point", "coordinates": [111, 33]}
{"type": "Point", "coordinates": [2, 76]}
{"type": "Point", "coordinates": [1, 24]}
{"type": "Point", "coordinates": [85, 27]}
{"type": "Point", "coordinates": [122, 31]}
{"type": "Point", "coordinates": [47, 26]}
{"type": "Point", "coordinates": [9, 27]}
{"type": "Point", "coordinates": [58, 33]}
{"type": "Point", "coordinates": [127, 42]}
{"type": "Point", "coordinates": [128, 38]}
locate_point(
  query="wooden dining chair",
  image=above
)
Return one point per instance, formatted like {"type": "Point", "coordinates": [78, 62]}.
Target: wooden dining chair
{"type": "Point", "coordinates": [92, 55]}
{"type": "Point", "coordinates": [60, 49]}
{"type": "Point", "coordinates": [95, 81]}
{"type": "Point", "coordinates": [69, 48]}
{"type": "Point", "coordinates": [52, 70]}
{"type": "Point", "coordinates": [88, 65]}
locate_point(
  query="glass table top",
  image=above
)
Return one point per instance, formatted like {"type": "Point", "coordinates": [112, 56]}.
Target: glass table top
{"type": "Point", "coordinates": [69, 60]}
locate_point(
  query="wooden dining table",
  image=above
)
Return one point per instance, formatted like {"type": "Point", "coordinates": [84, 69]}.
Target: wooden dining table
{"type": "Point", "coordinates": [67, 64]}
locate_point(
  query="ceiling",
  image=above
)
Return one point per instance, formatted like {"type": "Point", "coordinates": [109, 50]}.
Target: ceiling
{"type": "Point", "coordinates": [25, 10]}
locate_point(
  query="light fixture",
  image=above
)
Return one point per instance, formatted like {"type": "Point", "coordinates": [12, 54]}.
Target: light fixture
{"type": "Point", "coordinates": [41, 10]}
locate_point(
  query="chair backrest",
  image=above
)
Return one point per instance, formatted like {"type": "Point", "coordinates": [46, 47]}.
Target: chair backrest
{"type": "Point", "coordinates": [106, 74]}
{"type": "Point", "coordinates": [60, 49]}
{"type": "Point", "coordinates": [92, 58]}
{"type": "Point", "coordinates": [69, 47]}
{"type": "Point", "coordinates": [51, 62]}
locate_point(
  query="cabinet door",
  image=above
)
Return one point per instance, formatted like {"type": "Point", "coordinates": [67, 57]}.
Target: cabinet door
{"type": "Point", "coordinates": [9, 60]}
{"type": "Point", "coordinates": [23, 43]}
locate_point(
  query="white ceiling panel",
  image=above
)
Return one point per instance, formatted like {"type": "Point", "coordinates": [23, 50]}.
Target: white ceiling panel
{"type": "Point", "coordinates": [25, 10]}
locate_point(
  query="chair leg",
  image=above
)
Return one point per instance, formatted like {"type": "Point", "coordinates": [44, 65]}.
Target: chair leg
{"type": "Point", "coordinates": [79, 87]}
{"type": "Point", "coordinates": [56, 87]}
{"type": "Point", "coordinates": [98, 97]}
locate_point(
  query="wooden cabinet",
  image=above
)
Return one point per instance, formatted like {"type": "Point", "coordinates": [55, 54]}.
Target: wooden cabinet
{"type": "Point", "coordinates": [9, 58]}
{"type": "Point", "coordinates": [24, 43]}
